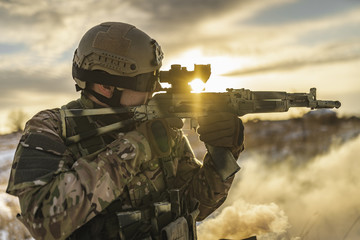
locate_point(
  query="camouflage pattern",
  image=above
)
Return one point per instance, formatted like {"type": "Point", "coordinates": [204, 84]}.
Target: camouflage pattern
{"type": "Point", "coordinates": [126, 167]}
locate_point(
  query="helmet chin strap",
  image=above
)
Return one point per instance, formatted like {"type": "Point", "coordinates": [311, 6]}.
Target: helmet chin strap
{"type": "Point", "coordinates": [114, 101]}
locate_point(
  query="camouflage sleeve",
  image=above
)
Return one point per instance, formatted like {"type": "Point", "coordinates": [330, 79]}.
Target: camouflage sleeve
{"type": "Point", "coordinates": [56, 197]}
{"type": "Point", "coordinates": [202, 179]}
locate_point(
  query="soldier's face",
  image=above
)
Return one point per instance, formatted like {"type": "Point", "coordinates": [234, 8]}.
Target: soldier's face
{"type": "Point", "coordinates": [134, 98]}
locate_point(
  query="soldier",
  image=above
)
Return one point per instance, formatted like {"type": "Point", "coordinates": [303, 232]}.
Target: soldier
{"type": "Point", "coordinates": [141, 181]}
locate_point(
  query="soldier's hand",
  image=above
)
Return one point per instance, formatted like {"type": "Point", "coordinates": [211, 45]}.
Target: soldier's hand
{"type": "Point", "coordinates": [158, 132]}
{"type": "Point", "coordinates": [221, 130]}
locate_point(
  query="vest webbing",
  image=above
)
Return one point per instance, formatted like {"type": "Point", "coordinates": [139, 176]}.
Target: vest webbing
{"type": "Point", "coordinates": [72, 126]}
{"type": "Point", "coordinates": [104, 225]}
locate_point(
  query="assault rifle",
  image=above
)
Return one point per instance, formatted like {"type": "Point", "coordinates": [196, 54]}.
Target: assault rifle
{"type": "Point", "coordinates": [178, 101]}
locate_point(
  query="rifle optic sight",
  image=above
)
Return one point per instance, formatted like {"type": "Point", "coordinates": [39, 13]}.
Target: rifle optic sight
{"type": "Point", "coordinates": [179, 77]}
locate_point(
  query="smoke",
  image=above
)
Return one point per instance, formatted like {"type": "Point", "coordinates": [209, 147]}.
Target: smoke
{"type": "Point", "coordinates": [242, 220]}
{"type": "Point", "coordinates": [318, 200]}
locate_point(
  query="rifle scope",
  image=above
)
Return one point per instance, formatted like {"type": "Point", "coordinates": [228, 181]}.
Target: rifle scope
{"type": "Point", "coordinates": [179, 77]}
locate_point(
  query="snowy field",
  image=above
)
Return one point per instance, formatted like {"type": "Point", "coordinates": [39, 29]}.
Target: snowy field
{"type": "Point", "coordinates": [10, 228]}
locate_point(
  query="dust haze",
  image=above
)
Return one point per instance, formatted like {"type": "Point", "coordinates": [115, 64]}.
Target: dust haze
{"type": "Point", "coordinates": [317, 200]}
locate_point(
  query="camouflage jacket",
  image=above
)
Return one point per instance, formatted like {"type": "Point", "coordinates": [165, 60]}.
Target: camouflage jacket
{"type": "Point", "coordinates": [61, 189]}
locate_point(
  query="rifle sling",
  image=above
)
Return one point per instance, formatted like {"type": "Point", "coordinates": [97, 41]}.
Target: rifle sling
{"type": "Point", "coordinates": [68, 113]}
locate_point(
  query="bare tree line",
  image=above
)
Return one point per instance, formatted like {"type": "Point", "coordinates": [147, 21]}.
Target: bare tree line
{"type": "Point", "coordinates": [16, 120]}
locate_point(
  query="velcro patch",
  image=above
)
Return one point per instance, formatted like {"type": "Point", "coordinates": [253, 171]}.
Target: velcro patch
{"type": "Point", "coordinates": [34, 164]}
{"type": "Point", "coordinates": [43, 142]}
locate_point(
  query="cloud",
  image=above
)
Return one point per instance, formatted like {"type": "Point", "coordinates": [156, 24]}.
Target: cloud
{"type": "Point", "coordinates": [297, 11]}
{"type": "Point", "coordinates": [296, 44]}
{"type": "Point", "coordinates": [334, 53]}
{"type": "Point", "coordinates": [166, 13]}
{"type": "Point", "coordinates": [21, 84]}
{"type": "Point", "coordinates": [35, 81]}
{"type": "Point", "coordinates": [214, 29]}
{"type": "Point", "coordinates": [47, 32]}
{"type": "Point", "coordinates": [52, 27]}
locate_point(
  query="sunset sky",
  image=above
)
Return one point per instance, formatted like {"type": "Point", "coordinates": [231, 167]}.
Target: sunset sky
{"type": "Point", "coordinates": [289, 45]}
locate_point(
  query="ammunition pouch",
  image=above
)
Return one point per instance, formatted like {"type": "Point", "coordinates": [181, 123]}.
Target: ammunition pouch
{"type": "Point", "coordinates": [191, 219]}
{"type": "Point", "coordinates": [142, 224]}
{"type": "Point", "coordinates": [176, 230]}
{"type": "Point", "coordinates": [132, 225]}
{"type": "Point", "coordinates": [158, 223]}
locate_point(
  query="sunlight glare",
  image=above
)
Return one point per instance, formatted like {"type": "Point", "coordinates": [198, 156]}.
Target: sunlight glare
{"type": "Point", "coordinates": [219, 65]}
{"type": "Point", "coordinates": [197, 85]}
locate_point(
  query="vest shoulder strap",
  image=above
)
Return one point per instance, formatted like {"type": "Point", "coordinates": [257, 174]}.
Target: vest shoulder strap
{"type": "Point", "coordinates": [72, 126]}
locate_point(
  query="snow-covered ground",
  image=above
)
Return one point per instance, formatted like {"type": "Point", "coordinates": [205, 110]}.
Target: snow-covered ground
{"type": "Point", "coordinates": [8, 145]}
{"type": "Point", "coordinates": [6, 157]}
{"type": "Point", "coordinates": [10, 228]}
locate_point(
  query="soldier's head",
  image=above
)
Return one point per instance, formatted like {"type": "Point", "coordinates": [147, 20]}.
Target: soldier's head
{"type": "Point", "coordinates": [116, 62]}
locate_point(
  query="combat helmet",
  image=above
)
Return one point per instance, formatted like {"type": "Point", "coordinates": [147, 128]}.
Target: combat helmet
{"type": "Point", "coordinates": [117, 54]}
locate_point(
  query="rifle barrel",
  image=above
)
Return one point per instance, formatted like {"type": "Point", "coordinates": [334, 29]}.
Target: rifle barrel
{"type": "Point", "coordinates": [327, 104]}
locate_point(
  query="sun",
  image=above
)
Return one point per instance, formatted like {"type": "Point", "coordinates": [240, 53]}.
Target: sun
{"type": "Point", "coordinates": [197, 85]}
